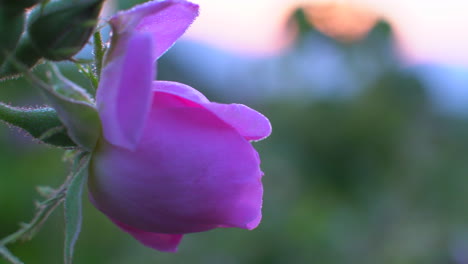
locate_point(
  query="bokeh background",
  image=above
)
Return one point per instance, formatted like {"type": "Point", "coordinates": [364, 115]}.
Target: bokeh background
{"type": "Point", "coordinates": [368, 160]}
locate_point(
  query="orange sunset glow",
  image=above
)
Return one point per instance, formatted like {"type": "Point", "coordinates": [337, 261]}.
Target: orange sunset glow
{"type": "Point", "coordinates": [341, 20]}
{"type": "Point", "coordinates": [426, 30]}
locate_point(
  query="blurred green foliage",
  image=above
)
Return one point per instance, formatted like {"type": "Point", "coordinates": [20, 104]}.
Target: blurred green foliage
{"type": "Point", "coordinates": [379, 177]}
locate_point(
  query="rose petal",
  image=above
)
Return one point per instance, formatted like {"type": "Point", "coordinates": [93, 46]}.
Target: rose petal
{"type": "Point", "coordinates": [254, 223]}
{"type": "Point", "coordinates": [181, 90]}
{"type": "Point", "coordinates": [165, 21]}
{"type": "Point", "coordinates": [191, 172]}
{"type": "Point", "coordinates": [161, 242]}
{"type": "Point", "coordinates": [248, 122]}
{"type": "Point", "coordinates": [124, 95]}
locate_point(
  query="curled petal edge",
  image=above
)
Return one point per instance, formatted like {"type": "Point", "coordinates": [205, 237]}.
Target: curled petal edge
{"type": "Point", "coordinates": [166, 21]}
{"type": "Point", "coordinates": [251, 124]}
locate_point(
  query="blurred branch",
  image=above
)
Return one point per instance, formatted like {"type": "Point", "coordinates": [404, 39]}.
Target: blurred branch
{"type": "Point", "coordinates": [44, 210]}
{"type": "Point", "coordinates": [9, 256]}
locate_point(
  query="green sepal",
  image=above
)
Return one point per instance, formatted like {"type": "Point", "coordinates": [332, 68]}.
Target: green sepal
{"type": "Point", "coordinates": [79, 117]}
{"type": "Point", "coordinates": [60, 29]}
{"type": "Point", "coordinates": [41, 123]}
{"type": "Point", "coordinates": [73, 208]}
{"type": "Point", "coordinates": [65, 87]}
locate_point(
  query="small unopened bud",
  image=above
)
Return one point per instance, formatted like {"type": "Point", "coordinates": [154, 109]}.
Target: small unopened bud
{"type": "Point", "coordinates": [60, 29]}
{"type": "Point", "coordinates": [11, 27]}
{"type": "Point", "coordinates": [19, 5]}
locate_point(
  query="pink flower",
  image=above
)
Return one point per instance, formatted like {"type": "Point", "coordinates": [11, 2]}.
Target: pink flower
{"type": "Point", "coordinates": [169, 162]}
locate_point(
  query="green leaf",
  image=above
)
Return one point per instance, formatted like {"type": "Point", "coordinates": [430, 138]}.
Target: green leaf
{"type": "Point", "coordinates": [41, 123]}
{"type": "Point", "coordinates": [73, 209]}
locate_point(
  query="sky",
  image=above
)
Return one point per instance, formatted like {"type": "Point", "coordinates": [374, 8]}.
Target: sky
{"type": "Point", "coordinates": [431, 31]}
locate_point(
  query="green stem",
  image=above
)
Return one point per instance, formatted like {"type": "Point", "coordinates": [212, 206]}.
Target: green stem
{"type": "Point", "coordinates": [9, 256]}
{"type": "Point", "coordinates": [27, 231]}
{"type": "Point", "coordinates": [98, 53]}
{"type": "Point", "coordinates": [90, 74]}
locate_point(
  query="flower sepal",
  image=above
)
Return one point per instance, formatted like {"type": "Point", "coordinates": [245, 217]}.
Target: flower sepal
{"type": "Point", "coordinates": [74, 107]}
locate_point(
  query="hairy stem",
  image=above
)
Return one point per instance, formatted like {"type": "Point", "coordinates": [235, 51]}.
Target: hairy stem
{"type": "Point", "coordinates": [45, 208]}
{"type": "Point", "coordinates": [98, 53]}
{"type": "Point", "coordinates": [4, 252]}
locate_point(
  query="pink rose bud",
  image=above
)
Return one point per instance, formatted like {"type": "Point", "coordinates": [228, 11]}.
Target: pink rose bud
{"type": "Point", "coordinates": [170, 162]}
